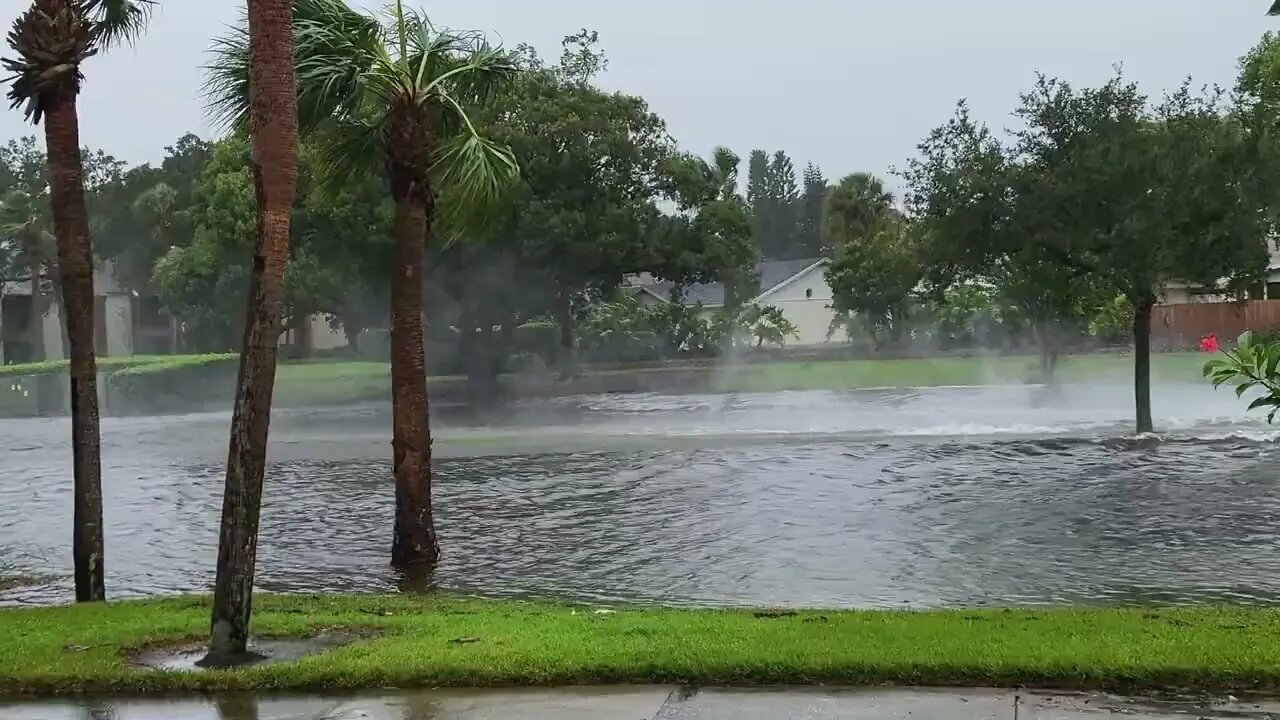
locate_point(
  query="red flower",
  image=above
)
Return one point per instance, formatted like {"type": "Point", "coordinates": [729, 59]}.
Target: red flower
{"type": "Point", "coordinates": [1209, 343]}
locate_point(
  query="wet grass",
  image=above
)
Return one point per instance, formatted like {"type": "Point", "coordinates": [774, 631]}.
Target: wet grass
{"type": "Point", "coordinates": [933, 372]}
{"type": "Point", "coordinates": [335, 383]}
{"type": "Point", "coordinates": [457, 642]}
{"type": "Point", "coordinates": [140, 364]}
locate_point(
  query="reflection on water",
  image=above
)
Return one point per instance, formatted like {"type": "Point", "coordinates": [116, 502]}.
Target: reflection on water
{"type": "Point", "coordinates": [887, 498]}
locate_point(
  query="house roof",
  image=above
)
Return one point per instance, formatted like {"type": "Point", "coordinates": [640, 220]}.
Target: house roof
{"type": "Point", "coordinates": [774, 275]}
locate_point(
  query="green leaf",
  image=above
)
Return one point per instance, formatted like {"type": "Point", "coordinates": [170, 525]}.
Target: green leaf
{"type": "Point", "coordinates": [1265, 401]}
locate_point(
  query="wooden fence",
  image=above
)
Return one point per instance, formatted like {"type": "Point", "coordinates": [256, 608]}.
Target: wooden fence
{"type": "Point", "coordinates": [1182, 325]}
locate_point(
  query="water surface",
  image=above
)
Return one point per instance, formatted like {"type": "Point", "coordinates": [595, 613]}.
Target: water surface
{"type": "Point", "coordinates": [884, 498]}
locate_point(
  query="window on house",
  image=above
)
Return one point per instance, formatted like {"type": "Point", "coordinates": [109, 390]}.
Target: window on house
{"type": "Point", "coordinates": [808, 293]}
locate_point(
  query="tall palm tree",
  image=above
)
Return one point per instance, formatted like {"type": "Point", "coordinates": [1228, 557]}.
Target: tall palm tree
{"type": "Point", "coordinates": [389, 97]}
{"type": "Point", "coordinates": [271, 104]}
{"type": "Point", "coordinates": [51, 39]}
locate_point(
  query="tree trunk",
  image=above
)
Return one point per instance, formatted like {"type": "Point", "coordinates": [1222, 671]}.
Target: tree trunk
{"type": "Point", "coordinates": [37, 297]}
{"type": "Point", "coordinates": [567, 356]}
{"type": "Point", "coordinates": [48, 394]}
{"type": "Point", "coordinates": [1142, 363]}
{"type": "Point", "coordinates": [1048, 350]}
{"type": "Point", "coordinates": [75, 264]}
{"type": "Point", "coordinates": [273, 114]}
{"type": "Point", "coordinates": [414, 538]}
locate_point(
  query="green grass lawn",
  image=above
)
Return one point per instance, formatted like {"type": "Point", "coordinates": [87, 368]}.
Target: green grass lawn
{"type": "Point", "coordinates": [932, 372]}
{"type": "Point", "coordinates": [133, 363]}
{"type": "Point", "coordinates": [457, 642]}
{"type": "Point", "coordinates": [319, 383]}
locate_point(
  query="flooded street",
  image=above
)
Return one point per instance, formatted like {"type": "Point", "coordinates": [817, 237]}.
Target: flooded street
{"type": "Point", "coordinates": [939, 497]}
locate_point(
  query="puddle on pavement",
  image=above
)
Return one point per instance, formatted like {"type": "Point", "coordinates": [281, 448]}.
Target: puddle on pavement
{"type": "Point", "coordinates": [654, 703]}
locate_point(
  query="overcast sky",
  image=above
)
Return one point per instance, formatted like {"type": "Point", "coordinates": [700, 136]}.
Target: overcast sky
{"type": "Point", "coordinates": [848, 84]}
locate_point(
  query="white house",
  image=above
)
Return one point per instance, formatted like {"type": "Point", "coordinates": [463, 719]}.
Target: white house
{"type": "Point", "coordinates": [796, 287]}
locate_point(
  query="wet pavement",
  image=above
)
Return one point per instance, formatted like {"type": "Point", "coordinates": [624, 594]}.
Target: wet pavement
{"type": "Point", "coordinates": [936, 497]}
{"type": "Point", "coordinates": [654, 703]}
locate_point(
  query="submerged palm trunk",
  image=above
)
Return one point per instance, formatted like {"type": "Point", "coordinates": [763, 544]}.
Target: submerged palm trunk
{"type": "Point", "coordinates": [1142, 364]}
{"type": "Point", "coordinates": [414, 540]}
{"type": "Point", "coordinates": [274, 119]}
{"type": "Point", "coordinates": [75, 264]}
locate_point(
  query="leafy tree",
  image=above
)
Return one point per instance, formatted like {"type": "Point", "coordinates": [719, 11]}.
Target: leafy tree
{"type": "Point", "coordinates": [1143, 194]}
{"type": "Point", "coordinates": [875, 257]}
{"type": "Point", "coordinates": [50, 40]}
{"type": "Point", "coordinates": [710, 239]}
{"type": "Point", "coordinates": [148, 211]}
{"type": "Point", "coordinates": [583, 212]}
{"type": "Point", "coordinates": [386, 95]}
{"type": "Point", "coordinates": [338, 252]}
{"type": "Point", "coordinates": [975, 199]}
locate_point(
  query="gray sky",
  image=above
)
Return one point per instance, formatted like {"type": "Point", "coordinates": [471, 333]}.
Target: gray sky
{"type": "Point", "coordinates": [848, 84]}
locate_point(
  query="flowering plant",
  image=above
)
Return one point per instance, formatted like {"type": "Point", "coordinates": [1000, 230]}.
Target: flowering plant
{"type": "Point", "coordinates": [1249, 365]}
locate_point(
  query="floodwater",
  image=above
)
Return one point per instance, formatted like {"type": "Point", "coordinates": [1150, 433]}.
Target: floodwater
{"type": "Point", "coordinates": [879, 498]}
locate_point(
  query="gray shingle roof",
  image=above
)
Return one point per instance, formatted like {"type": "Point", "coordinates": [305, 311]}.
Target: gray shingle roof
{"type": "Point", "coordinates": [772, 274]}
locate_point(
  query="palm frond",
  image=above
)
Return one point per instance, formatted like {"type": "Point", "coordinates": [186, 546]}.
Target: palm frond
{"type": "Point", "coordinates": [476, 172]}
{"type": "Point", "coordinates": [341, 65]}
{"type": "Point", "coordinates": [346, 149]}
{"type": "Point", "coordinates": [118, 21]}
{"type": "Point", "coordinates": [226, 84]}
{"type": "Point", "coordinates": [1275, 8]}
{"type": "Point", "coordinates": [342, 62]}
{"type": "Point", "coordinates": [471, 76]}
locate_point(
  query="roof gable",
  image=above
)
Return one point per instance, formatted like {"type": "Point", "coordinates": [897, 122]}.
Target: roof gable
{"type": "Point", "coordinates": [774, 276]}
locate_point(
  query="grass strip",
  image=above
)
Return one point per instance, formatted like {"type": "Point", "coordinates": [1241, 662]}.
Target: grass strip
{"type": "Point", "coordinates": [462, 642]}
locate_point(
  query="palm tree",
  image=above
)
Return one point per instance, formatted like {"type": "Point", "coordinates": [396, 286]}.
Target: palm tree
{"type": "Point", "coordinates": [271, 106]}
{"type": "Point", "coordinates": [389, 98]}
{"type": "Point", "coordinates": [51, 40]}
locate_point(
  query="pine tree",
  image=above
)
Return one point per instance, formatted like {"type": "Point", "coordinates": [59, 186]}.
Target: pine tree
{"type": "Point", "coordinates": [808, 242]}
{"type": "Point", "coordinates": [783, 193]}
{"type": "Point", "coordinates": [757, 195]}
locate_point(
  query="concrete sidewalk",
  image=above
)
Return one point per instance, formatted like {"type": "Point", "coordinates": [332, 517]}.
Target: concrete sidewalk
{"type": "Point", "coordinates": [649, 703]}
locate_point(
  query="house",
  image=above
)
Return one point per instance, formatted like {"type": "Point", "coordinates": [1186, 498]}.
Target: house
{"type": "Point", "coordinates": [115, 319]}
{"type": "Point", "coordinates": [1181, 293]}
{"type": "Point", "coordinates": [796, 287]}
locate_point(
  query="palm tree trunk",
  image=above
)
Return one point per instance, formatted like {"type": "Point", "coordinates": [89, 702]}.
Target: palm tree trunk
{"type": "Point", "coordinates": [414, 540]}
{"type": "Point", "coordinates": [274, 117]}
{"type": "Point", "coordinates": [75, 264]}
